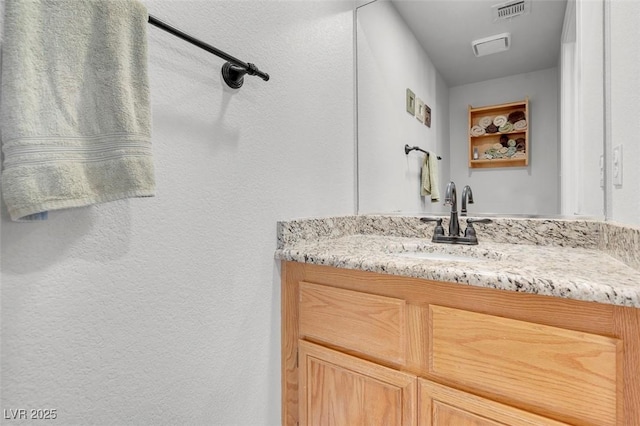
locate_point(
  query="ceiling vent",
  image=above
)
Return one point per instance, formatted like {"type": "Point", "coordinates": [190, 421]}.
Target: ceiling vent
{"type": "Point", "coordinates": [511, 9]}
{"type": "Point", "coordinates": [493, 44]}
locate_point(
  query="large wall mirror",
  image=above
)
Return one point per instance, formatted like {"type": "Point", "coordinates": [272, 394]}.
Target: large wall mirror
{"type": "Point", "coordinates": [555, 60]}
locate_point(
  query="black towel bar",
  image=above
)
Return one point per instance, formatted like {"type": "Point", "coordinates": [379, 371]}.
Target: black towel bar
{"type": "Point", "coordinates": [408, 149]}
{"type": "Point", "coordinates": [233, 70]}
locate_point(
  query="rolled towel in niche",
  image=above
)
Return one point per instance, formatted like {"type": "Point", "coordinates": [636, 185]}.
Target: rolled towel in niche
{"type": "Point", "coordinates": [515, 116]}
{"type": "Point", "coordinates": [520, 125]}
{"type": "Point", "coordinates": [492, 128]}
{"type": "Point", "coordinates": [485, 122]}
{"type": "Point", "coordinates": [500, 120]}
{"type": "Point", "coordinates": [477, 130]}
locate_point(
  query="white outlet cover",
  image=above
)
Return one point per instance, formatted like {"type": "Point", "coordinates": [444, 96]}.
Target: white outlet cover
{"type": "Point", "coordinates": [617, 165]}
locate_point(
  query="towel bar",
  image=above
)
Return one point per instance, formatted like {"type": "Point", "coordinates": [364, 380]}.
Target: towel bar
{"type": "Point", "coordinates": [408, 149]}
{"type": "Point", "coordinates": [233, 70]}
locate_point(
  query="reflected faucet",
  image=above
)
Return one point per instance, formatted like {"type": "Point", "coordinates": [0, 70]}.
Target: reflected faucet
{"type": "Point", "coordinates": [451, 198]}
{"type": "Point", "coordinates": [467, 195]}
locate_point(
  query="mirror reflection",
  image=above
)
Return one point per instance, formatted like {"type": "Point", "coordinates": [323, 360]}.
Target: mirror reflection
{"type": "Point", "coordinates": [419, 56]}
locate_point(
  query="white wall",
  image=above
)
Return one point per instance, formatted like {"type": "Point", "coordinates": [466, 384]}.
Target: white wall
{"type": "Point", "coordinates": [516, 190]}
{"type": "Point", "coordinates": [166, 310]}
{"type": "Point", "coordinates": [625, 104]}
{"type": "Point", "coordinates": [390, 60]}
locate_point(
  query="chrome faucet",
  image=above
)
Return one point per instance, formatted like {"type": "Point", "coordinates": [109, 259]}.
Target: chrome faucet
{"type": "Point", "coordinates": [467, 195]}
{"type": "Point", "coordinates": [451, 198]}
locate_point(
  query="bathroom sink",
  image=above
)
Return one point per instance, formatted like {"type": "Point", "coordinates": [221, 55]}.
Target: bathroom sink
{"type": "Point", "coordinates": [447, 257]}
{"type": "Point", "coordinates": [447, 253]}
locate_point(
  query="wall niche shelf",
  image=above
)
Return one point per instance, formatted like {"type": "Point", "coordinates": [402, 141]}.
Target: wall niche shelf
{"type": "Point", "coordinates": [499, 135]}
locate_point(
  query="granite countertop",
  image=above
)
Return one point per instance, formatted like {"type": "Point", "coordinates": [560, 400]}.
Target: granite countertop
{"type": "Point", "coordinates": [578, 260]}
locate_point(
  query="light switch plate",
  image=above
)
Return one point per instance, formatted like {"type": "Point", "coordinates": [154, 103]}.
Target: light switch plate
{"type": "Point", "coordinates": [617, 165]}
{"type": "Point", "coordinates": [602, 171]}
{"type": "Point", "coordinates": [411, 102]}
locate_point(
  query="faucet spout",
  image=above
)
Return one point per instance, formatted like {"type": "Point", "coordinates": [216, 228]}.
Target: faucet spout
{"type": "Point", "coordinates": [451, 198]}
{"type": "Point", "coordinates": [467, 195]}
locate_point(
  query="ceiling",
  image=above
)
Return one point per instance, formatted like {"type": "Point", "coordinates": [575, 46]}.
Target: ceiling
{"type": "Point", "coordinates": [446, 28]}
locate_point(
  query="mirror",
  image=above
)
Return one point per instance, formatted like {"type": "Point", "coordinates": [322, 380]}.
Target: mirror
{"type": "Point", "coordinates": [426, 46]}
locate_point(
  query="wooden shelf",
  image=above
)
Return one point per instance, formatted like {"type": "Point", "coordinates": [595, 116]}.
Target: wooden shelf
{"type": "Point", "coordinates": [488, 135]}
{"type": "Point", "coordinates": [499, 162]}
{"type": "Point", "coordinates": [484, 144]}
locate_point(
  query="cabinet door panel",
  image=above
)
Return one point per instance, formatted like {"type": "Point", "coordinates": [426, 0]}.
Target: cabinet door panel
{"type": "Point", "coordinates": [552, 370]}
{"type": "Point", "coordinates": [338, 389]}
{"type": "Point", "coordinates": [366, 323]}
{"type": "Point", "coordinates": [443, 406]}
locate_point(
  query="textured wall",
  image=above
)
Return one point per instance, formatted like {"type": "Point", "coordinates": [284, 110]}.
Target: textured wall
{"type": "Point", "coordinates": [166, 310]}
{"type": "Point", "coordinates": [522, 190]}
{"type": "Point", "coordinates": [625, 104]}
{"type": "Point", "coordinates": [390, 60]}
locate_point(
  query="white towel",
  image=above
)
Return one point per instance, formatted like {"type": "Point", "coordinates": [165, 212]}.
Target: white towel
{"type": "Point", "coordinates": [429, 179]}
{"type": "Point", "coordinates": [75, 117]}
{"type": "Point", "coordinates": [520, 125]}
{"type": "Point", "coordinates": [485, 121]}
{"type": "Point", "coordinates": [500, 120]}
{"type": "Point", "coordinates": [477, 130]}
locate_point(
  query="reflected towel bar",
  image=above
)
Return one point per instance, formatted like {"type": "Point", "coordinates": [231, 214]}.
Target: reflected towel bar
{"type": "Point", "coordinates": [233, 70]}
{"type": "Point", "coordinates": [408, 149]}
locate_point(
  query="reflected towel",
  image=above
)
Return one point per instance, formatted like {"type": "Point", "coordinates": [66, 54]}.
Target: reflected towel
{"type": "Point", "coordinates": [515, 116]}
{"type": "Point", "coordinates": [477, 131]}
{"type": "Point", "coordinates": [429, 179]}
{"type": "Point", "coordinates": [484, 122]}
{"type": "Point", "coordinates": [492, 128]}
{"type": "Point", "coordinates": [520, 125]}
{"type": "Point", "coordinates": [500, 120]}
{"type": "Point", "coordinates": [75, 118]}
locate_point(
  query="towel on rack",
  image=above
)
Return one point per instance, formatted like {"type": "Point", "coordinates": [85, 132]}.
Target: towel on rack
{"type": "Point", "coordinates": [76, 125]}
{"type": "Point", "coordinates": [429, 178]}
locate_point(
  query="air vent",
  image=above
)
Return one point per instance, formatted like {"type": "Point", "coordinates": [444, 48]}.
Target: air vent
{"type": "Point", "coordinates": [511, 9]}
{"type": "Point", "coordinates": [490, 45]}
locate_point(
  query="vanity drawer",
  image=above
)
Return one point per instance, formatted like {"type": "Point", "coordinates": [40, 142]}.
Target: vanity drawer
{"type": "Point", "coordinates": [569, 374]}
{"type": "Point", "coordinates": [366, 323]}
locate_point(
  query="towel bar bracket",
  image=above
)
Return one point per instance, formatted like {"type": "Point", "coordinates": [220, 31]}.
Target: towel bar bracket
{"type": "Point", "coordinates": [234, 75]}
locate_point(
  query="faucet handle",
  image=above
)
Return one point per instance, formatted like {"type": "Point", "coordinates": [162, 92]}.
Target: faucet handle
{"type": "Point", "coordinates": [439, 230]}
{"type": "Point", "coordinates": [470, 232]}
{"type": "Point", "coordinates": [485, 220]}
{"type": "Point", "coordinates": [431, 219]}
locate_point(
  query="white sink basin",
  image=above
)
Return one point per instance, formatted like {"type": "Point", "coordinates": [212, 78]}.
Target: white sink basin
{"type": "Point", "coordinates": [447, 253]}
{"type": "Point", "coordinates": [447, 257]}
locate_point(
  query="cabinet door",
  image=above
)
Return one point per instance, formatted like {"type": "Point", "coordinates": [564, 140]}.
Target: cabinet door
{"type": "Point", "coordinates": [443, 406]}
{"type": "Point", "coordinates": [339, 389]}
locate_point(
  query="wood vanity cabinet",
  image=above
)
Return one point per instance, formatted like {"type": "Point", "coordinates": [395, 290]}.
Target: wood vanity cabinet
{"type": "Point", "coordinates": [361, 348]}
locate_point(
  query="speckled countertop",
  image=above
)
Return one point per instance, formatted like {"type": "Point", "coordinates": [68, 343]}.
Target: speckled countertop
{"type": "Point", "coordinates": [576, 259]}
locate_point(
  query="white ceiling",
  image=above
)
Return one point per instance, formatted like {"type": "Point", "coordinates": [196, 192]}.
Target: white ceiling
{"type": "Point", "coordinates": [446, 28]}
